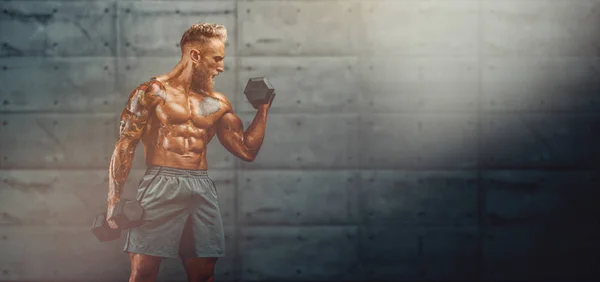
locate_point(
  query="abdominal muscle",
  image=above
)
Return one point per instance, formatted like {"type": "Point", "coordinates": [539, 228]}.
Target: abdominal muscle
{"type": "Point", "coordinates": [179, 146]}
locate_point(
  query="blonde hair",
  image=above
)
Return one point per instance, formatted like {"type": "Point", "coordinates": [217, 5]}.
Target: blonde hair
{"type": "Point", "coordinates": [202, 32]}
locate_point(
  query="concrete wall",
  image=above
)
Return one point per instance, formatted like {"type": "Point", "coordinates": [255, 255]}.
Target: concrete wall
{"type": "Point", "coordinates": [410, 139]}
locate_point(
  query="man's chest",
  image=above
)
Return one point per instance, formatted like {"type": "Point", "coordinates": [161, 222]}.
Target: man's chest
{"type": "Point", "coordinates": [202, 111]}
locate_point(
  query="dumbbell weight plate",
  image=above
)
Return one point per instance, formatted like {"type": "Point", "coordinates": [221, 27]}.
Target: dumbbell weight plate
{"type": "Point", "coordinates": [259, 90]}
{"type": "Point", "coordinates": [102, 231]}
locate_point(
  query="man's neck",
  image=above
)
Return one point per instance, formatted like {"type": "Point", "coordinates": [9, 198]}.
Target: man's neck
{"type": "Point", "coordinates": [181, 77]}
{"type": "Point", "coordinates": [203, 91]}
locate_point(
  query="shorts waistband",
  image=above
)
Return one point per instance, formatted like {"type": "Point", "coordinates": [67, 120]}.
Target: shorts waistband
{"type": "Point", "coordinates": [173, 171]}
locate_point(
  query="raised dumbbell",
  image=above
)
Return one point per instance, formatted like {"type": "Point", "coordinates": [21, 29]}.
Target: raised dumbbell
{"type": "Point", "coordinates": [127, 214]}
{"type": "Point", "coordinates": [259, 91]}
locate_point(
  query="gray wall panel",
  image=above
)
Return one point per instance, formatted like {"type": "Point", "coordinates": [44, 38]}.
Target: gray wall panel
{"type": "Point", "coordinates": [298, 253]}
{"type": "Point", "coordinates": [539, 140]}
{"type": "Point", "coordinates": [418, 141]}
{"type": "Point", "coordinates": [275, 197]}
{"type": "Point", "coordinates": [154, 28]}
{"type": "Point", "coordinates": [298, 28]}
{"type": "Point", "coordinates": [410, 253]}
{"type": "Point", "coordinates": [548, 253]}
{"type": "Point", "coordinates": [61, 84]}
{"type": "Point", "coordinates": [417, 198]}
{"type": "Point", "coordinates": [540, 27]}
{"type": "Point", "coordinates": [56, 141]}
{"type": "Point", "coordinates": [418, 84]}
{"type": "Point", "coordinates": [535, 198]}
{"type": "Point", "coordinates": [563, 84]}
{"type": "Point", "coordinates": [418, 27]}
{"type": "Point", "coordinates": [58, 28]}
{"type": "Point", "coordinates": [60, 254]}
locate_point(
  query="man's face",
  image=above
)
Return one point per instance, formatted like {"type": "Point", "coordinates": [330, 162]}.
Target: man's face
{"type": "Point", "coordinates": [210, 63]}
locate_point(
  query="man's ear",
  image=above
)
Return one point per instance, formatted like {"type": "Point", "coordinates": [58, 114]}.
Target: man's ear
{"type": "Point", "coordinates": [195, 55]}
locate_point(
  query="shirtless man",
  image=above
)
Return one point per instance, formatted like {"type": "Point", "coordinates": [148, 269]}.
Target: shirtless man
{"type": "Point", "coordinates": [175, 115]}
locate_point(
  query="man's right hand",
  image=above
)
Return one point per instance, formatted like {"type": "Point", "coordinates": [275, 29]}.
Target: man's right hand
{"type": "Point", "coordinates": [110, 212]}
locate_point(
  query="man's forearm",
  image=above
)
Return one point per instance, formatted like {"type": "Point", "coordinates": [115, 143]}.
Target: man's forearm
{"type": "Point", "coordinates": [255, 134]}
{"type": "Point", "coordinates": [120, 166]}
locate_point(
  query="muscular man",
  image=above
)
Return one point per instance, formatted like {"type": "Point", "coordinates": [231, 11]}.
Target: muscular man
{"type": "Point", "coordinates": [175, 115]}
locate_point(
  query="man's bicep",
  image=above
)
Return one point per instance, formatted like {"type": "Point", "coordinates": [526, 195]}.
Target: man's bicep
{"type": "Point", "coordinates": [230, 129]}
{"type": "Point", "coordinates": [230, 132]}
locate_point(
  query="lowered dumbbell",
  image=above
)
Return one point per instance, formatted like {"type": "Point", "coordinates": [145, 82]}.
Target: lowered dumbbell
{"type": "Point", "coordinates": [259, 91]}
{"type": "Point", "coordinates": [128, 214]}
{"type": "Point", "coordinates": [102, 231]}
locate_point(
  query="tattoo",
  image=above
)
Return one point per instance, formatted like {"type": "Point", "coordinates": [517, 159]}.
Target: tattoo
{"type": "Point", "coordinates": [131, 128]}
{"type": "Point", "coordinates": [159, 89]}
{"type": "Point", "coordinates": [121, 127]}
{"type": "Point", "coordinates": [209, 106]}
{"type": "Point", "coordinates": [133, 121]}
{"type": "Point", "coordinates": [161, 93]}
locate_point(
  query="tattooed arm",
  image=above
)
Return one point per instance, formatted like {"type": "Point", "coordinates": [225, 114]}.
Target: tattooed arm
{"type": "Point", "coordinates": [242, 144]}
{"type": "Point", "coordinates": [133, 121]}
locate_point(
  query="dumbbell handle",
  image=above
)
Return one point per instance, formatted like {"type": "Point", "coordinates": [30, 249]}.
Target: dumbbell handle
{"type": "Point", "coordinates": [128, 214]}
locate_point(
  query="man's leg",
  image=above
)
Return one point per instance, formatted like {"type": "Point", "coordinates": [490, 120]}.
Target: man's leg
{"type": "Point", "coordinates": [200, 269]}
{"type": "Point", "coordinates": [144, 268]}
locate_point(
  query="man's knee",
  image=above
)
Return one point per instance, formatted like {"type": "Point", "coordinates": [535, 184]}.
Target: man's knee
{"type": "Point", "coordinates": [143, 272]}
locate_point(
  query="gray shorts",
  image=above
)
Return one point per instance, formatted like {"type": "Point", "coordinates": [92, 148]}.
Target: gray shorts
{"type": "Point", "coordinates": [181, 215]}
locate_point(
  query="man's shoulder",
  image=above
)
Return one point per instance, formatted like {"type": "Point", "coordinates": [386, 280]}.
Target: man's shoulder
{"type": "Point", "coordinates": [153, 89]}
{"type": "Point", "coordinates": [147, 95]}
{"type": "Point", "coordinates": [222, 98]}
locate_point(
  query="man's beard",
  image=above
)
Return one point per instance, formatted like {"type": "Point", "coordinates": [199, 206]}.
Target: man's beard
{"type": "Point", "coordinates": [202, 81]}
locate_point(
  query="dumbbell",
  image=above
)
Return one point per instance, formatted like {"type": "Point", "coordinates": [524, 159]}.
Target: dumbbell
{"type": "Point", "coordinates": [259, 91]}
{"type": "Point", "coordinates": [128, 214]}
{"type": "Point", "coordinates": [102, 231]}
